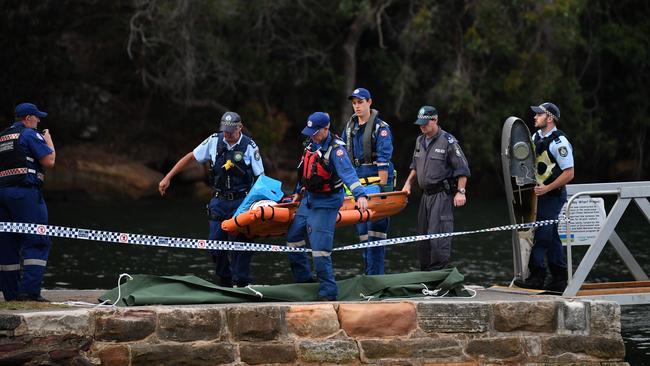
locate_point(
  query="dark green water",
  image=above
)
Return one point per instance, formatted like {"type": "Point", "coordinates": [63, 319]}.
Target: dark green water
{"type": "Point", "coordinates": [485, 259]}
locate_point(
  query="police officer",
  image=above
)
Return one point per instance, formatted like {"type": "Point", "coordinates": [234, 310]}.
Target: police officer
{"type": "Point", "coordinates": [370, 146]}
{"type": "Point", "coordinates": [235, 164]}
{"type": "Point", "coordinates": [324, 168]}
{"type": "Point", "coordinates": [24, 152]}
{"type": "Point", "coordinates": [442, 171]}
{"type": "Point", "coordinates": [554, 159]}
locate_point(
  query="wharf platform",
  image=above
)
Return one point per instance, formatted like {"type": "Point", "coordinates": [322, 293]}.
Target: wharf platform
{"type": "Point", "coordinates": [493, 327]}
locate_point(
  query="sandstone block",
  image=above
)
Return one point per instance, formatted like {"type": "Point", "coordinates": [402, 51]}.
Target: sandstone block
{"type": "Point", "coordinates": [113, 355]}
{"type": "Point", "coordinates": [314, 321]}
{"type": "Point", "coordinates": [190, 324]}
{"type": "Point", "coordinates": [25, 349]}
{"type": "Point", "coordinates": [575, 316]}
{"type": "Point", "coordinates": [58, 322]}
{"type": "Point", "coordinates": [419, 348]}
{"type": "Point", "coordinates": [9, 321]}
{"type": "Point", "coordinates": [500, 349]}
{"type": "Point", "coordinates": [378, 320]}
{"type": "Point", "coordinates": [599, 347]}
{"type": "Point", "coordinates": [454, 317]}
{"type": "Point", "coordinates": [331, 351]}
{"type": "Point", "coordinates": [172, 353]}
{"type": "Point", "coordinates": [265, 353]}
{"type": "Point", "coordinates": [125, 326]}
{"type": "Point", "coordinates": [605, 318]}
{"type": "Point", "coordinates": [525, 316]}
{"type": "Point", "coordinates": [256, 323]}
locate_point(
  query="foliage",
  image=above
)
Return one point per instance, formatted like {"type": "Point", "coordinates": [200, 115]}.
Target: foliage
{"type": "Point", "coordinates": [124, 64]}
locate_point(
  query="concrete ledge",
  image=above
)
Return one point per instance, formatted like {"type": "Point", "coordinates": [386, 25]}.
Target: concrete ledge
{"type": "Point", "coordinates": [426, 331]}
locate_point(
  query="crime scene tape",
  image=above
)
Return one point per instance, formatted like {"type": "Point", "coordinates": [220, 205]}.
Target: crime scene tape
{"type": "Point", "coordinates": [173, 242]}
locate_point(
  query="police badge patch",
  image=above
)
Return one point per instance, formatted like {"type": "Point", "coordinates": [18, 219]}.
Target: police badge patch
{"type": "Point", "coordinates": [257, 155]}
{"type": "Point", "coordinates": [238, 156]}
{"type": "Point", "coordinates": [563, 151]}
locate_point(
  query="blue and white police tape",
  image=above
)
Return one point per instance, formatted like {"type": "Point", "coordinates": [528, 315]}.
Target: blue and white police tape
{"type": "Point", "coordinates": [166, 241]}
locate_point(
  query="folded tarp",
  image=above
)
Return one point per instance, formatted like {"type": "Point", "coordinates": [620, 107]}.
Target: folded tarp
{"type": "Point", "coordinates": [178, 290]}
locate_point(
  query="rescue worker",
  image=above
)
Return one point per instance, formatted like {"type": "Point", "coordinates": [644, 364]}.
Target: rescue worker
{"type": "Point", "coordinates": [370, 146]}
{"type": "Point", "coordinates": [24, 152]}
{"type": "Point", "coordinates": [441, 170]}
{"type": "Point", "coordinates": [235, 164]}
{"type": "Point", "coordinates": [554, 159]}
{"type": "Point", "coordinates": [323, 169]}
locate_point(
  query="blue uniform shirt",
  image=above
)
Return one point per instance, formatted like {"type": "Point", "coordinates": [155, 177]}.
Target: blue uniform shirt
{"type": "Point", "coordinates": [343, 167]}
{"type": "Point", "coordinates": [562, 151]}
{"type": "Point", "coordinates": [32, 144]}
{"type": "Point", "coordinates": [383, 148]}
{"type": "Point", "coordinates": [207, 151]}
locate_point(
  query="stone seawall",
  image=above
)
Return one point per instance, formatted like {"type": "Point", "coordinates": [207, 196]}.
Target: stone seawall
{"type": "Point", "coordinates": [418, 332]}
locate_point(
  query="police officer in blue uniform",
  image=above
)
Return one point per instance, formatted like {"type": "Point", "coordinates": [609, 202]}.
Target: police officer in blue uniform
{"type": "Point", "coordinates": [441, 170]}
{"type": "Point", "coordinates": [554, 159]}
{"type": "Point", "coordinates": [324, 168]}
{"type": "Point", "coordinates": [235, 164]}
{"type": "Point", "coordinates": [370, 146]}
{"type": "Point", "coordinates": [24, 152]}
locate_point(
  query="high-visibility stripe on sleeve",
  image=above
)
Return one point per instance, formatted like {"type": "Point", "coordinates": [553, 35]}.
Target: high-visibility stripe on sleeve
{"type": "Point", "coordinates": [355, 185]}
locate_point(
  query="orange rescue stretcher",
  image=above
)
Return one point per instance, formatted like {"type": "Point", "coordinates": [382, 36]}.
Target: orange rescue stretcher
{"type": "Point", "coordinates": [274, 220]}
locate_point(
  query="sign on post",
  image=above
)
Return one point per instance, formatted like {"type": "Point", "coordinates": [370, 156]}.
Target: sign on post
{"type": "Point", "coordinates": [587, 218]}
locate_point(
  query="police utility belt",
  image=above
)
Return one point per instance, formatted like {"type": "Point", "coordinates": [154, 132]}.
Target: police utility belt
{"type": "Point", "coordinates": [222, 195]}
{"type": "Point", "coordinates": [447, 185]}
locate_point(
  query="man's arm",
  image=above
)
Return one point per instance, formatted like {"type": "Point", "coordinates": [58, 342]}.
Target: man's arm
{"type": "Point", "coordinates": [561, 181]}
{"type": "Point", "coordinates": [459, 198]}
{"type": "Point", "coordinates": [48, 160]}
{"type": "Point", "coordinates": [409, 179]}
{"type": "Point", "coordinates": [180, 165]}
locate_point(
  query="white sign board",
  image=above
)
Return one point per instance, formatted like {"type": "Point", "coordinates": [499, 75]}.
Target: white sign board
{"type": "Point", "coordinates": [587, 218]}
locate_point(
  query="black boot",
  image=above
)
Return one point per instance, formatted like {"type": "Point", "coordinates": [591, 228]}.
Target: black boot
{"type": "Point", "coordinates": [558, 278]}
{"type": "Point", "coordinates": [535, 280]}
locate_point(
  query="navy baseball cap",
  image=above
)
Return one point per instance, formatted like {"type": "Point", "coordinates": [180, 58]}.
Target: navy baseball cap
{"type": "Point", "coordinates": [360, 93]}
{"type": "Point", "coordinates": [315, 122]}
{"type": "Point", "coordinates": [426, 114]}
{"type": "Point", "coordinates": [230, 121]}
{"type": "Point", "coordinates": [548, 108]}
{"type": "Point", "coordinates": [29, 109]}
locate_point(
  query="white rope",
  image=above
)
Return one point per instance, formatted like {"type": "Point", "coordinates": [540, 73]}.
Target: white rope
{"type": "Point", "coordinates": [257, 293]}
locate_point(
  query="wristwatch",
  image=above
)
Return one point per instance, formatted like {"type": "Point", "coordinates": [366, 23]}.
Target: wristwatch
{"type": "Point", "coordinates": [461, 190]}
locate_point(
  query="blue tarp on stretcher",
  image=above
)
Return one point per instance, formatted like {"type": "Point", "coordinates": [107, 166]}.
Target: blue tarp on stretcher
{"type": "Point", "coordinates": [265, 188]}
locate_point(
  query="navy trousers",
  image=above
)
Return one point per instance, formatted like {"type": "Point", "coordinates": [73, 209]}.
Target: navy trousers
{"type": "Point", "coordinates": [231, 266]}
{"type": "Point", "coordinates": [547, 240]}
{"type": "Point", "coordinates": [22, 204]}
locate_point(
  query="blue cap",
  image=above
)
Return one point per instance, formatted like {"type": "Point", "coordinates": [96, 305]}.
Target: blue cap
{"type": "Point", "coordinates": [360, 93]}
{"type": "Point", "coordinates": [28, 109]}
{"type": "Point", "coordinates": [315, 122]}
{"type": "Point", "coordinates": [230, 122]}
{"type": "Point", "coordinates": [548, 108]}
{"type": "Point", "coordinates": [426, 114]}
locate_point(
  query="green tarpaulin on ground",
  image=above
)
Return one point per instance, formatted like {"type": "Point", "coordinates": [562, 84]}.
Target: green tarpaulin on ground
{"type": "Point", "coordinates": [178, 290]}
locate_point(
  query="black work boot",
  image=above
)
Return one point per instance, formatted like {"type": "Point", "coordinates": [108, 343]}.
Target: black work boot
{"type": "Point", "coordinates": [224, 281]}
{"type": "Point", "coordinates": [535, 280]}
{"type": "Point", "coordinates": [31, 297]}
{"type": "Point", "coordinates": [558, 278]}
